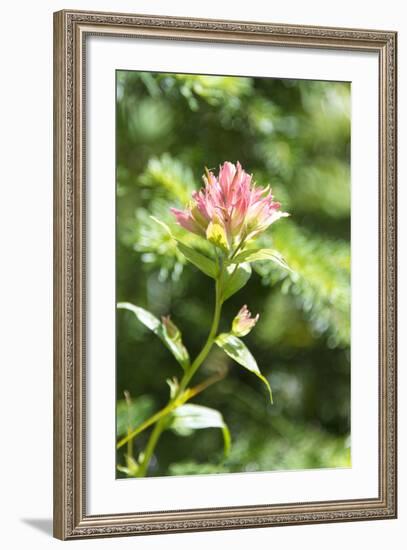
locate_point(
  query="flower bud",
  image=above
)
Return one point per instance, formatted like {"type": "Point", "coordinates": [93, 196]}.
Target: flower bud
{"type": "Point", "coordinates": [171, 329]}
{"type": "Point", "coordinates": [243, 322]}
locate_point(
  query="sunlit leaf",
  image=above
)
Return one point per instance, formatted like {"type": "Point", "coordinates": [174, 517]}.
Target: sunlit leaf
{"type": "Point", "coordinates": [145, 317]}
{"type": "Point", "coordinates": [235, 278]}
{"type": "Point", "coordinates": [202, 262]}
{"type": "Point", "coordinates": [171, 341]}
{"type": "Point", "coordinates": [256, 254]}
{"type": "Point", "coordinates": [237, 350]}
{"type": "Point", "coordinates": [172, 337]}
{"type": "Point", "coordinates": [188, 418]}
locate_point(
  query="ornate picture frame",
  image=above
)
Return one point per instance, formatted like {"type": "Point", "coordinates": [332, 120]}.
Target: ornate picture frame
{"type": "Point", "coordinates": [71, 31]}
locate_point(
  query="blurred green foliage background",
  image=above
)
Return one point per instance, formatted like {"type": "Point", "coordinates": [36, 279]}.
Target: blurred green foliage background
{"type": "Point", "coordinates": [295, 135]}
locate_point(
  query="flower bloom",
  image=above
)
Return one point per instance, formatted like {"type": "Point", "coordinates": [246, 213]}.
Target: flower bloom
{"type": "Point", "coordinates": [243, 323]}
{"type": "Point", "coordinates": [230, 208]}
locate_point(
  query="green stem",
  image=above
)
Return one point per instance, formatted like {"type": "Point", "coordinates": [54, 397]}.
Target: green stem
{"type": "Point", "coordinates": [130, 441]}
{"type": "Point", "coordinates": [152, 442]}
{"type": "Point", "coordinates": [173, 404]}
{"type": "Point", "coordinates": [209, 342]}
{"type": "Point", "coordinates": [149, 422]}
{"type": "Point", "coordinates": [159, 427]}
{"type": "Point", "coordinates": [129, 449]}
{"type": "Point", "coordinates": [239, 246]}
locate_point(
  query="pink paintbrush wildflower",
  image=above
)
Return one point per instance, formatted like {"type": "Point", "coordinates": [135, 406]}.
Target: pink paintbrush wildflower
{"type": "Point", "coordinates": [230, 209]}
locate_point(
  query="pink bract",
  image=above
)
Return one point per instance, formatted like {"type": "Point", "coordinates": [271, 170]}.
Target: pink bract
{"type": "Point", "coordinates": [233, 204]}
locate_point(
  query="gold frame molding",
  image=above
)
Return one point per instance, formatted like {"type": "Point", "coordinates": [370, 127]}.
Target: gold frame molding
{"type": "Point", "coordinates": [70, 31]}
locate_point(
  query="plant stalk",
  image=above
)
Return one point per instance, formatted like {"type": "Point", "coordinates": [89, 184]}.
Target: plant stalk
{"type": "Point", "coordinates": [209, 342]}
{"type": "Point", "coordinates": [200, 358]}
{"type": "Point", "coordinates": [152, 442]}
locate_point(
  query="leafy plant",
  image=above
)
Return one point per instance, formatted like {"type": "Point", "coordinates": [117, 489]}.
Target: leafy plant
{"type": "Point", "coordinates": [229, 213]}
{"type": "Point", "coordinates": [294, 134]}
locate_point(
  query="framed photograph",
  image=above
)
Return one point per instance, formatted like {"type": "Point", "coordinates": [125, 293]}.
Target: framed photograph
{"type": "Point", "coordinates": [225, 274]}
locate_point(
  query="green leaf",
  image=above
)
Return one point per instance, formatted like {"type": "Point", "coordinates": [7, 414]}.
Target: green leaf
{"type": "Point", "coordinates": [216, 234]}
{"type": "Point", "coordinates": [131, 414]}
{"type": "Point", "coordinates": [145, 317]}
{"type": "Point", "coordinates": [199, 260]}
{"type": "Point", "coordinates": [256, 254]}
{"type": "Point", "coordinates": [131, 469]}
{"type": "Point", "coordinates": [190, 417]}
{"type": "Point", "coordinates": [173, 385]}
{"type": "Point", "coordinates": [172, 337]}
{"type": "Point", "coordinates": [237, 350]}
{"type": "Point", "coordinates": [202, 262]}
{"type": "Point", "coordinates": [174, 344]}
{"type": "Point", "coordinates": [235, 278]}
